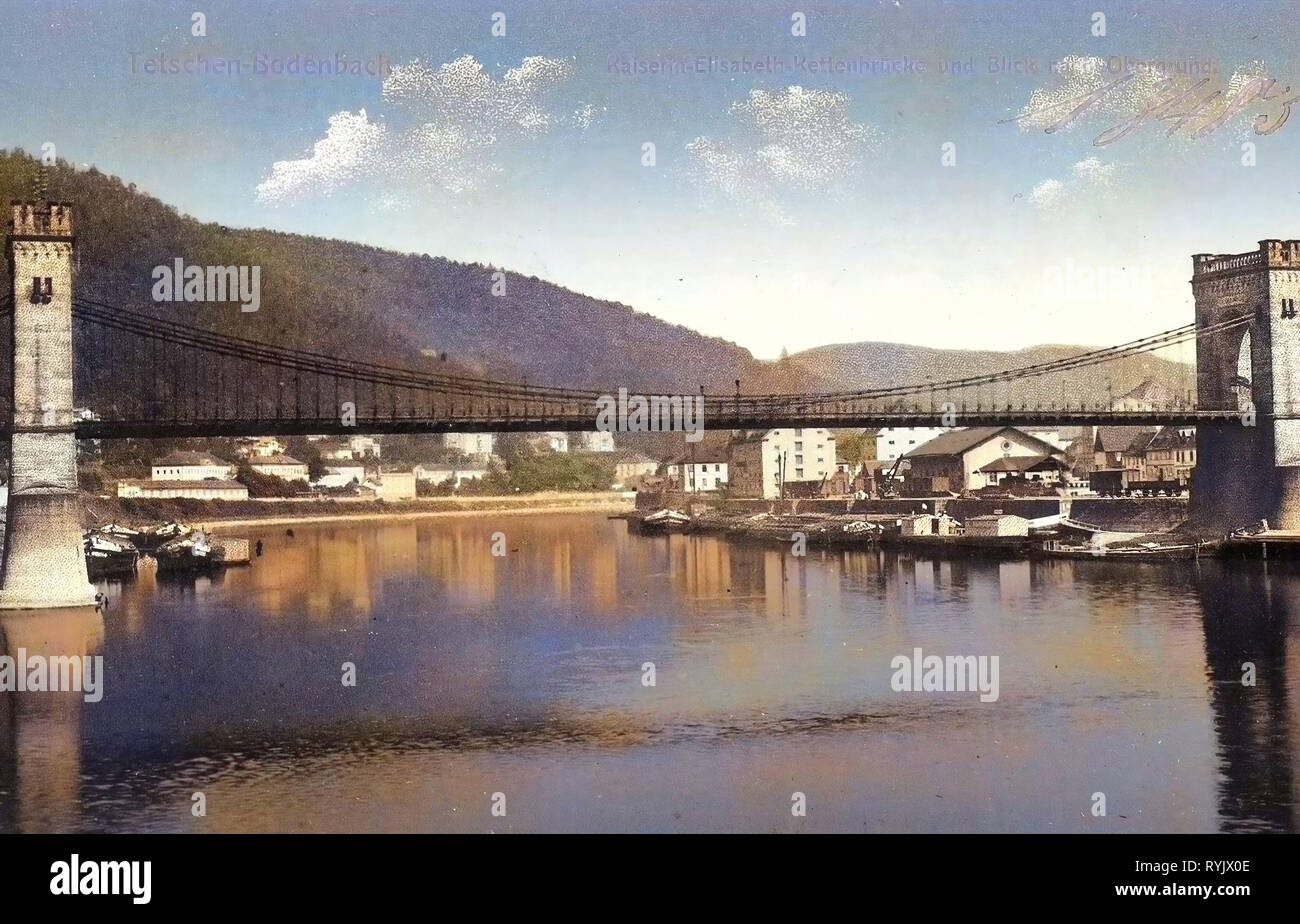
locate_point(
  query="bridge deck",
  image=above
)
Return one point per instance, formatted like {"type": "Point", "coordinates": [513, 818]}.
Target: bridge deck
{"type": "Point", "coordinates": [290, 426]}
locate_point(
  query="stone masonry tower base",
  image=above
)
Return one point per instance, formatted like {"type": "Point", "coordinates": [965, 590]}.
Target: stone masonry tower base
{"type": "Point", "coordinates": [1250, 471]}
{"type": "Point", "coordinates": [44, 565]}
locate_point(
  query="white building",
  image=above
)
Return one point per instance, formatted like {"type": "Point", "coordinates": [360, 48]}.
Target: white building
{"type": "Point", "coordinates": [955, 461]}
{"type": "Point", "coordinates": [351, 471]}
{"type": "Point", "coordinates": [206, 489]}
{"type": "Point", "coordinates": [262, 447]}
{"type": "Point", "coordinates": [356, 447]}
{"type": "Point", "coordinates": [397, 486]}
{"type": "Point", "coordinates": [927, 524]}
{"type": "Point", "coordinates": [1051, 435]}
{"type": "Point", "coordinates": [1044, 468]}
{"type": "Point", "coordinates": [761, 462]}
{"type": "Point", "coordinates": [440, 474]}
{"type": "Point", "coordinates": [191, 466]}
{"type": "Point", "coordinates": [286, 467]}
{"type": "Point", "coordinates": [892, 442]}
{"type": "Point", "coordinates": [633, 465]}
{"type": "Point", "coordinates": [341, 475]}
{"type": "Point", "coordinates": [707, 471]}
{"type": "Point", "coordinates": [472, 444]}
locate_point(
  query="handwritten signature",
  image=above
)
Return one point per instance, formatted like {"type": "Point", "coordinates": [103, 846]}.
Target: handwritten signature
{"type": "Point", "coordinates": [1201, 112]}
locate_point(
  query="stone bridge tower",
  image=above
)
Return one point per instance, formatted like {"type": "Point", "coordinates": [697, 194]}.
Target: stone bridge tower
{"type": "Point", "coordinates": [1248, 473]}
{"type": "Point", "coordinates": [44, 564]}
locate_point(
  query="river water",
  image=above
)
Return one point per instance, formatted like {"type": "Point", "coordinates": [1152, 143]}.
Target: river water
{"type": "Point", "coordinates": [519, 681]}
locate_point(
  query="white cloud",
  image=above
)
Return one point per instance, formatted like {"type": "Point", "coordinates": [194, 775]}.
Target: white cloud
{"type": "Point", "coordinates": [1093, 172]}
{"type": "Point", "coordinates": [1048, 194]}
{"type": "Point", "coordinates": [353, 146]}
{"type": "Point", "coordinates": [805, 136]}
{"type": "Point", "coordinates": [584, 116]}
{"type": "Point", "coordinates": [445, 128]}
{"type": "Point", "coordinates": [720, 164]}
{"type": "Point", "coordinates": [1088, 178]}
{"type": "Point", "coordinates": [786, 139]}
{"type": "Point", "coordinates": [462, 94]}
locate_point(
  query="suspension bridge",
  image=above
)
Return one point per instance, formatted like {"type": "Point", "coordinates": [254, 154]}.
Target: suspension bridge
{"type": "Point", "coordinates": [185, 381]}
{"type": "Point", "coordinates": [171, 379]}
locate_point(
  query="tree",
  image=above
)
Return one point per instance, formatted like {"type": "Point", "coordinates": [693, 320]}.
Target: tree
{"type": "Point", "coordinates": [263, 485]}
{"type": "Point", "coordinates": [308, 451]}
{"type": "Point", "coordinates": [512, 447]}
{"type": "Point", "coordinates": [560, 471]}
{"type": "Point", "coordinates": [855, 446]}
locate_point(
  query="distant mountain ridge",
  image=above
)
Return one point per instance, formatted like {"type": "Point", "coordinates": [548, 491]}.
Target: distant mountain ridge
{"type": "Point", "coordinates": [354, 300]}
{"type": "Point", "coordinates": [874, 364]}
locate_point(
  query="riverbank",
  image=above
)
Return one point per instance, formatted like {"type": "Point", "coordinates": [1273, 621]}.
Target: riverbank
{"type": "Point", "coordinates": [1147, 529]}
{"type": "Point", "coordinates": [281, 511]}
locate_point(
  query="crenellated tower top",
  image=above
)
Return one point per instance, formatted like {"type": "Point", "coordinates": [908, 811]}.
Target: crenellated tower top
{"type": "Point", "coordinates": [1272, 254]}
{"type": "Point", "coordinates": [41, 220]}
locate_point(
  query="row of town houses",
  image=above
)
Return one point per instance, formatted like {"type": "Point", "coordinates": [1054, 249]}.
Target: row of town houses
{"type": "Point", "coordinates": [205, 476]}
{"type": "Point", "coordinates": [921, 461]}
{"type": "Point", "coordinates": [353, 462]}
{"type": "Point", "coordinates": [775, 463]}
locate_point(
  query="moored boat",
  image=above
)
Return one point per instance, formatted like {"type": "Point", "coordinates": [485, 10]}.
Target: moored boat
{"type": "Point", "coordinates": [1146, 551]}
{"type": "Point", "coordinates": [118, 531]}
{"type": "Point", "coordinates": [191, 552]}
{"type": "Point", "coordinates": [107, 556]}
{"type": "Point", "coordinates": [855, 532]}
{"type": "Point", "coordinates": [152, 538]}
{"type": "Point", "coordinates": [663, 521]}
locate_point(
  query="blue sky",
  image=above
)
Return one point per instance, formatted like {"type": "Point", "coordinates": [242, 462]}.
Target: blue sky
{"type": "Point", "coordinates": [773, 216]}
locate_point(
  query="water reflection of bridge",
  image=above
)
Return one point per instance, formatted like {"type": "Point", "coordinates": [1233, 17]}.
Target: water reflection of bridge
{"type": "Point", "coordinates": [1252, 614]}
{"type": "Point", "coordinates": [41, 732]}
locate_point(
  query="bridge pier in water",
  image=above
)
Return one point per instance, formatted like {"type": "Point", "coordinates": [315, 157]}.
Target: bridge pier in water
{"type": "Point", "coordinates": [1251, 472]}
{"type": "Point", "coordinates": [44, 563]}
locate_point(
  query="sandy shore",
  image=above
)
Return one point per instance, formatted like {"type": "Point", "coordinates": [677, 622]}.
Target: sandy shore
{"type": "Point", "coordinates": [289, 519]}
